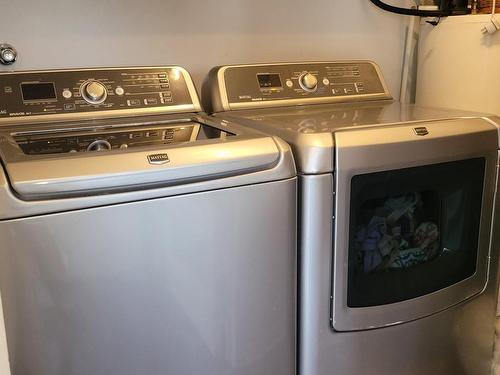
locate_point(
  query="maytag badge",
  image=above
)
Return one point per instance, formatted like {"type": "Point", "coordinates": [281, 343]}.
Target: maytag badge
{"type": "Point", "coordinates": [421, 130]}
{"type": "Point", "coordinates": [158, 159]}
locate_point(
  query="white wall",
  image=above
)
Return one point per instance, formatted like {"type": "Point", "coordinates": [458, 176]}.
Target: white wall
{"type": "Point", "coordinates": [200, 34]}
{"type": "Point", "coordinates": [458, 66]}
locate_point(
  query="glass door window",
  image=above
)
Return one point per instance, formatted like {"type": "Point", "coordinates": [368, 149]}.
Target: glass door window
{"type": "Point", "coordinates": [413, 231]}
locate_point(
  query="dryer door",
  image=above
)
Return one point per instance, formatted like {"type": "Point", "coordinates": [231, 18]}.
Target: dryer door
{"type": "Point", "coordinates": [413, 220]}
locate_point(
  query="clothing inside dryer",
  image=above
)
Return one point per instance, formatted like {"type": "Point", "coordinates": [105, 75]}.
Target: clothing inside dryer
{"type": "Point", "coordinates": [398, 232]}
{"type": "Point", "coordinates": [413, 231]}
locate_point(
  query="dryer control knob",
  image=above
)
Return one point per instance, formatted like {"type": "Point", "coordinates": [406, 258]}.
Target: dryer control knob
{"type": "Point", "coordinates": [308, 81]}
{"type": "Point", "coordinates": [94, 92]}
{"type": "Point", "coordinates": [8, 54]}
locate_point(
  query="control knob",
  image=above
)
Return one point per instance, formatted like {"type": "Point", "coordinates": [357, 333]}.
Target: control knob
{"type": "Point", "coordinates": [308, 81]}
{"type": "Point", "coordinates": [94, 92]}
{"type": "Point", "coordinates": [99, 145]}
{"type": "Point", "coordinates": [8, 54]}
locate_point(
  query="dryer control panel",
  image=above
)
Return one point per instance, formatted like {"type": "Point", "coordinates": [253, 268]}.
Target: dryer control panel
{"type": "Point", "coordinates": [88, 93]}
{"type": "Point", "coordinates": [272, 85]}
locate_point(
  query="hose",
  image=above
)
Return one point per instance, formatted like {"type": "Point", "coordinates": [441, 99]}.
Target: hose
{"type": "Point", "coordinates": [410, 12]}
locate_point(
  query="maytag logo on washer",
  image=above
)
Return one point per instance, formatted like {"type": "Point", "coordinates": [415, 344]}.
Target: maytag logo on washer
{"type": "Point", "coordinates": [158, 159]}
{"type": "Point", "coordinates": [421, 130]}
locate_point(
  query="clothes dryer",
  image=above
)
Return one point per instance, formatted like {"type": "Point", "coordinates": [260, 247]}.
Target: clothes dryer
{"type": "Point", "coordinates": [398, 265]}
{"type": "Point", "coordinates": [139, 236]}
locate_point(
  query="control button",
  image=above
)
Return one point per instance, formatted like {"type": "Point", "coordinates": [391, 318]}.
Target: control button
{"type": "Point", "coordinates": [69, 106]}
{"type": "Point", "coordinates": [67, 94]}
{"type": "Point", "coordinates": [289, 83]}
{"type": "Point", "coordinates": [326, 81]}
{"type": "Point", "coordinates": [133, 102]}
{"type": "Point", "coordinates": [163, 80]}
{"type": "Point", "coordinates": [308, 82]}
{"type": "Point", "coordinates": [165, 86]}
{"type": "Point", "coordinates": [162, 75]}
{"type": "Point", "coordinates": [119, 91]}
{"type": "Point", "coordinates": [93, 92]}
{"type": "Point", "coordinates": [99, 145]}
{"type": "Point", "coordinates": [123, 145]}
{"type": "Point", "coordinates": [167, 94]}
{"type": "Point", "coordinates": [150, 101]}
{"type": "Point", "coordinates": [8, 54]}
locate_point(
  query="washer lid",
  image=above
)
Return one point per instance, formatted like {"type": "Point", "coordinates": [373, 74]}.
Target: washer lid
{"type": "Point", "coordinates": [212, 151]}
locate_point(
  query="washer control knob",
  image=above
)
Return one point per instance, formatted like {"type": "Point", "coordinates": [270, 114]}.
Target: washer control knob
{"type": "Point", "coordinates": [308, 81]}
{"type": "Point", "coordinates": [8, 54]}
{"type": "Point", "coordinates": [93, 92]}
{"type": "Point", "coordinates": [99, 145]}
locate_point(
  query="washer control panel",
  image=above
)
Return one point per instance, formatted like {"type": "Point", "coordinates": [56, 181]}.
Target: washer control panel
{"type": "Point", "coordinates": [88, 92]}
{"type": "Point", "coordinates": [266, 85]}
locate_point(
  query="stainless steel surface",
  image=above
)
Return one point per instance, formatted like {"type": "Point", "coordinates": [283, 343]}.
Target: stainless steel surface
{"type": "Point", "coordinates": [448, 332]}
{"type": "Point", "coordinates": [393, 147]}
{"type": "Point", "coordinates": [14, 207]}
{"type": "Point", "coordinates": [458, 340]}
{"type": "Point", "coordinates": [316, 209]}
{"type": "Point", "coordinates": [198, 283]}
{"type": "Point", "coordinates": [46, 176]}
{"type": "Point", "coordinates": [309, 129]}
{"type": "Point", "coordinates": [114, 264]}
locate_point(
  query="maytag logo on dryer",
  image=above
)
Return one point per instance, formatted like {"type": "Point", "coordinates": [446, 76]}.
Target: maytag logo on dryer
{"type": "Point", "coordinates": [158, 159]}
{"type": "Point", "coordinates": [421, 130]}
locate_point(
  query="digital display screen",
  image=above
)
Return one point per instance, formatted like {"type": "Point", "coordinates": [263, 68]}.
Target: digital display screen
{"type": "Point", "coordinates": [267, 80]}
{"type": "Point", "coordinates": [38, 91]}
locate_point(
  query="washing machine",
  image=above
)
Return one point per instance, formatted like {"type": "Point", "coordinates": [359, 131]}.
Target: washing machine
{"type": "Point", "coordinates": [139, 236]}
{"type": "Point", "coordinates": [397, 260]}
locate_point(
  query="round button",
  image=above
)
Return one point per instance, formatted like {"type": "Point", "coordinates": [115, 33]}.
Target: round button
{"type": "Point", "coordinates": [124, 145]}
{"type": "Point", "coordinates": [289, 83]}
{"type": "Point", "coordinates": [308, 81]}
{"type": "Point", "coordinates": [8, 56]}
{"type": "Point", "coordinates": [99, 145]}
{"type": "Point", "coordinates": [67, 94]}
{"type": "Point", "coordinates": [119, 91]}
{"type": "Point", "coordinates": [326, 81]}
{"type": "Point", "coordinates": [93, 92]}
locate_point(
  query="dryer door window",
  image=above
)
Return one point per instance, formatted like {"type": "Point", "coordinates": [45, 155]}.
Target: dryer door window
{"type": "Point", "coordinates": [413, 231]}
